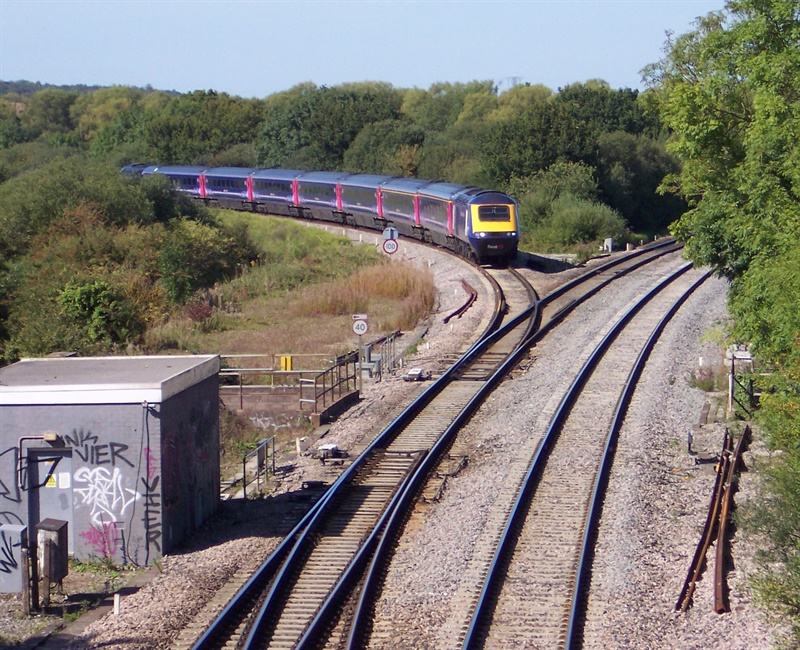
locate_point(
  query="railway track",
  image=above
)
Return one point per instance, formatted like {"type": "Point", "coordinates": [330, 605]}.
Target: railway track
{"type": "Point", "coordinates": [533, 591]}
{"type": "Point", "coordinates": [295, 598]}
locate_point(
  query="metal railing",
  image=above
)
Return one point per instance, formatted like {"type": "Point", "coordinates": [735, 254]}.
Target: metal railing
{"type": "Point", "coordinates": [264, 454]}
{"type": "Point", "coordinates": [329, 386]}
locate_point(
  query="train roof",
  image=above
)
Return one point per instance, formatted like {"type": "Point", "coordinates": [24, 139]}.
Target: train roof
{"type": "Point", "coordinates": [229, 172]}
{"type": "Point", "coordinates": [323, 177]}
{"type": "Point", "coordinates": [408, 185]}
{"type": "Point", "coordinates": [371, 181]}
{"type": "Point", "coordinates": [134, 168]}
{"type": "Point", "coordinates": [175, 170]}
{"type": "Point", "coordinates": [446, 191]}
{"type": "Point", "coordinates": [490, 196]}
{"type": "Point", "coordinates": [277, 174]}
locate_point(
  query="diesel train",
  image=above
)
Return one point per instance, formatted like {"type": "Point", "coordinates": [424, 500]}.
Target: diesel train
{"type": "Point", "coordinates": [480, 225]}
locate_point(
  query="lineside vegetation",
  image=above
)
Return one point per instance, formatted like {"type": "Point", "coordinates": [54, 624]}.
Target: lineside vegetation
{"type": "Point", "coordinates": [730, 92]}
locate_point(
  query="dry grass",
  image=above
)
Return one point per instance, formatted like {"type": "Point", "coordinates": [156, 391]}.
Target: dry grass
{"type": "Point", "coordinates": [295, 306]}
{"type": "Point", "coordinates": [402, 294]}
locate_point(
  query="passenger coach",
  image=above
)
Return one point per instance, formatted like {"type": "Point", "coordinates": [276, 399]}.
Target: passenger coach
{"type": "Point", "coordinates": [477, 224]}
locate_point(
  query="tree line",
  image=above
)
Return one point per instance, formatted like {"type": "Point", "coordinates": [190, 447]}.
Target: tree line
{"type": "Point", "coordinates": [586, 151]}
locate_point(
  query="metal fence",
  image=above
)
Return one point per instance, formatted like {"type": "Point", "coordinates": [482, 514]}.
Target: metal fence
{"type": "Point", "coordinates": [263, 457]}
{"type": "Point", "coordinates": [329, 386]}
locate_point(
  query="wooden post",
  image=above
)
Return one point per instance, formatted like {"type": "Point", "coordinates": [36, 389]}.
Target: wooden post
{"type": "Point", "coordinates": [46, 551]}
{"type": "Point", "coordinates": [26, 582]}
{"type": "Point", "coordinates": [731, 384]}
{"type": "Point", "coordinates": [34, 565]}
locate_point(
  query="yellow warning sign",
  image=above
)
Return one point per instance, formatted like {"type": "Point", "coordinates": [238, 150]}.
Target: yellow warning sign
{"type": "Point", "coordinates": [51, 482]}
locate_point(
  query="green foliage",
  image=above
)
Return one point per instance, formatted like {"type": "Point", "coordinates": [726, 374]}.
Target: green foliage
{"type": "Point", "coordinates": [765, 304]}
{"type": "Point", "coordinates": [99, 308]}
{"type": "Point", "coordinates": [630, 170]}
{"type": "Point", "coordinates": [31, 201]}
{"type": "Point", "coordinates": [379, 149]}
{"type": "Point", "coordinates": [439, 107]}
{"type": "Point", "coordinates": [48, 111]}
{"type": "Point", "coordinates": [195, 255]}
{"type": "Point", "coordinates": [776, 514]}
{"type": "Point", "coordinates": [193, 127]}
{"type": "Point", "coordinates": [729, 90]}
{"type": "Point", "coordinates": [318, 125]}
{"type": "Point", "coordinates": [534, 140]}
{"type": "Point", "coordinates": [577, 221]}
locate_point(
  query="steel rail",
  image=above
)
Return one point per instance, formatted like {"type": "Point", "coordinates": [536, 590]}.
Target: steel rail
{"type": "Point", "coordinates": [373, 576]}
{"type": "Point", "coordinates": [234, 612]}
{"type": "Point", "coordinates": [231, 616]}
{"type": "Point", "coordinates": [304, 540]}
{"type": "Point", "coordinates": [601, 482]}
{"type": "Point", "coordinates": [721, 604]}
{"type": "Point", "coordinates": [472, 296]}
{"type": "Point", "coordinates": [519, 510]}
{"type": "Point", "coordinates": [707, 536]}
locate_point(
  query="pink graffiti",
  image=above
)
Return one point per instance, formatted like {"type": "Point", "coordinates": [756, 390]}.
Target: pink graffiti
{"type": "Point", "coordinates": [103, 541]}
{"type": "Point", "coordinates": [152, 464]}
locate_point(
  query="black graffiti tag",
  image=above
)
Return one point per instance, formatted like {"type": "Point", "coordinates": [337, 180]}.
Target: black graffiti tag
{"type": "Point", "coordinates": [89, 450]}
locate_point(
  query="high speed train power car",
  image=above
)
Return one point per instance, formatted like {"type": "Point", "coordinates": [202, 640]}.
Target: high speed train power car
{"type": "Point", "coordinates": [481, 225]}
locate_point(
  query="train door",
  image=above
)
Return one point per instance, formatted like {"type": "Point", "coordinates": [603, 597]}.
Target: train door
{"type": "Point", "coordinates": [50, 488]}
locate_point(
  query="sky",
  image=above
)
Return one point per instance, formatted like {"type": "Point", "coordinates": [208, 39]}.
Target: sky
{"type": "Point", "coordinates": [254, 48]}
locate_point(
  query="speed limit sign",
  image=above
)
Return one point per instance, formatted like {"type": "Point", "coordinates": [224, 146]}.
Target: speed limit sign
{"type": "Point", "coordinates": [360, 327]}
{"type": "Point", "coordinates": [389, 246]}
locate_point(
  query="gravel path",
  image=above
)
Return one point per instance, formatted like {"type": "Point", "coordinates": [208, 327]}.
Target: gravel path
{"type": "Point", "coordinates": [425, 577]}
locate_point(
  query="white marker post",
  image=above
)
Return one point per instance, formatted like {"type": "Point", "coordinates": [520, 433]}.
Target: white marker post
{"type": "Point", "coordinates": [360, 327]}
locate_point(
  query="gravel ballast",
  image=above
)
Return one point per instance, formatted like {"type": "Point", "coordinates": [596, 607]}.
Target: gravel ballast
{"type": "Point", "coordinates": [645, 552]}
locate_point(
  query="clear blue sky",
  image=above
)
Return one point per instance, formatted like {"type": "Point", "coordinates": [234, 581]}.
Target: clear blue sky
{"type": "Point", "coordinates": [254, 48]}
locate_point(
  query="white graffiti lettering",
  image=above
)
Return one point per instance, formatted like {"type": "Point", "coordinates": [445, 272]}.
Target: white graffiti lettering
{"type": "Point", "coordinates": [104, 493]}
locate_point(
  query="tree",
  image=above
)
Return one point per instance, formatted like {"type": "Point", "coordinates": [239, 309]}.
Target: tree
{"type": "Point", "coordinates": [630, 170]}
{"type": "Point", "coordinates": [378, 146]}
{"type": "Point", "coordinates": [729, 91]}
{"type": "Point", "coordinates": [49, 112]}
{"type": "Point", "coordinates": [441, 105]}
{"type": "Point", "coordinates": [192, 128]}
{"type": "Point", "coordinates": [314, 127]}
{"type": "Point", "coordinates": [544, 133]}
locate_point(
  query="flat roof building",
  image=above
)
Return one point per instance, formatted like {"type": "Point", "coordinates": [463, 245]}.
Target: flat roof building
{"type": "Point", "coordinates": [125, 449]}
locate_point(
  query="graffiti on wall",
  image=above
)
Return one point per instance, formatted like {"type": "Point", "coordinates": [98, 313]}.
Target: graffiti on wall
{"type": "Point", "coordinates": [104, 540]}
{"type": "Point", "coordinates": [101, 486]}
{"type": "Point", "coordinates": [8, 472]}
{"type": "Point", "coordinates": [104, 492]}
{"type": "Point", "coordinates": [89, 449]}
{"type": "Point", "coordinates": [8, 556]}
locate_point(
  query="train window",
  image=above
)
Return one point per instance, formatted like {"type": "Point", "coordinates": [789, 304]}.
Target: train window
{"type": "Point", "coordinates": [399, 203]}
{"type": "Point", "coordinates": [358, 196]}
{"type": "Point", "coordinates": [434, 210]}
{"type": "Point", "coordinates": [318, 191]}
{"type": "Point", "coordinates": [494, 213]}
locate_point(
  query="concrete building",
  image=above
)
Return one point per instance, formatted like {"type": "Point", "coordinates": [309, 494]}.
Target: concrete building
{"type": "Point", "coordinates": [125, 449]}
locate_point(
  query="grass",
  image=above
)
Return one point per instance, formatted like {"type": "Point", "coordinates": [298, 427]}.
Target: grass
{"type": "Point", "coordinates": [297, 300]}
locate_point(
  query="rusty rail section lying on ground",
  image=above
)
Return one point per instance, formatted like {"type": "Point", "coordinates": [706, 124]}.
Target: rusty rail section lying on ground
{"type": "Point", "coordinates": [471, 298]}
{"type": "Point", "coordinates": [716, 528]}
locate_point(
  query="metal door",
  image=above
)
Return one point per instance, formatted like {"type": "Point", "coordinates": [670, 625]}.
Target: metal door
{"type": "Point", "coordinates": [50, 488]}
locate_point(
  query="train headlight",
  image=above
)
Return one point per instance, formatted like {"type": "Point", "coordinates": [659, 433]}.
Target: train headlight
{"type": "Point", "coordinates": [480, 235]}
